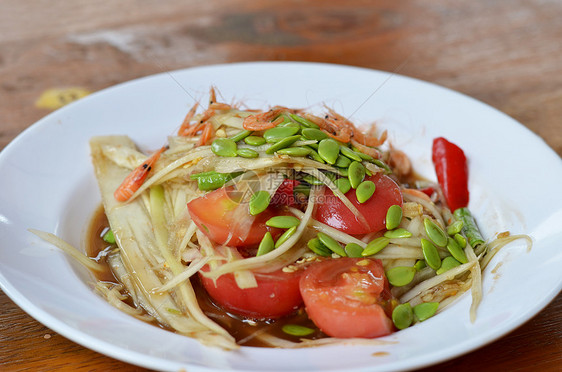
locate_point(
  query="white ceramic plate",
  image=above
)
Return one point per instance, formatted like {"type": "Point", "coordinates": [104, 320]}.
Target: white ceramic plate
{"type": "Point", "coordinates": [47, 183]}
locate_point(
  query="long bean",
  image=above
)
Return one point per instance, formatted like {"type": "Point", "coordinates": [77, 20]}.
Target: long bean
{"type": "Point", "coordinates": [470, 228]}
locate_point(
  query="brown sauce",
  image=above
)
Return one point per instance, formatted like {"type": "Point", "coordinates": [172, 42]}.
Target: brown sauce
{"type": "Point", "coordinates": [96, 247]}
{"type": "Point", "coordinates": [242, 329]}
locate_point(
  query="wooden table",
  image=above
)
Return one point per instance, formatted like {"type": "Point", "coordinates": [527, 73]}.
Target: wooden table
{"type": "Point", "coordinates": [505, 53]}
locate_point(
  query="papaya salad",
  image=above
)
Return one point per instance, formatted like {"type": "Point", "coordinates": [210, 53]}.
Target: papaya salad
{"type": "Point", "coordinates": [300, 228]}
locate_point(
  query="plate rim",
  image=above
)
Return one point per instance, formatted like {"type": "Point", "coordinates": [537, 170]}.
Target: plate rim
{"type": "Point", "coordinates": [69, 332]}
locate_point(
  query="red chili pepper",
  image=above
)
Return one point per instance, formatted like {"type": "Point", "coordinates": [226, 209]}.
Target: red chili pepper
{"type": "Point", "coordinates": [428, 191]}
{"type": "Point", "coordinates": [452, 172]}
{"type": "Point", "coordinates": [285, 193]}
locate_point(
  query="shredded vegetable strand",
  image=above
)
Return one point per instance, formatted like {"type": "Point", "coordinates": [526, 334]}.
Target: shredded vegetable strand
{"type": "Point", "coordinates": [191, 270]}
{"type": "Point", "coordinates": [427, 204]}
{"type": "Point", "coordinates": [393, 251]}
{"type": "Point", "coordinates": [199, 152]}
{"type": "Point", "coordinates": [208, 250]}
{"type": "Point", "coordinates": [497, 244]}
{"type": "Point", "coordinates": [118, 269]}
{"type": "Point", "coordinates": [114, 297]}
{"type": "Point", "coordinates": [68, 249]}
{"type": "Point", "coordinates": [420, 276]}
{"type": "Point", "coordinates": [135, 290]}
{"type": "Point", "coordinates": [186, 238]}
{"type": "Point", "coordinates": [447, 275]}
{"type": "Point", "coordinates": [476, 274]}
{"type": "Point", "coordinates": [243, 278]}
{"type": "Point", "coordinates": [125, 157]}
{"type": "Point", "coordinates": [324, 179]}
{"type": "Point", "coordinates": [328, 230]}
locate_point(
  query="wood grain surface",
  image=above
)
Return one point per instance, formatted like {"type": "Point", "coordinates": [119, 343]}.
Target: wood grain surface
{"type": "Point", "coordinates": [505, 53]}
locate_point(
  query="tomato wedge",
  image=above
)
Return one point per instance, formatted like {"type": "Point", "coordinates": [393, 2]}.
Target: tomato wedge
{"type": "Point", "coordinates": [276, 295]}
{"type": "Point", "coordinates": [217, 215]}
{"type": "Point", "coordinates": [348, 297]}
{"type": "Point", "coordinates": [285, 194]}
{"type": "Point", "coordinates": [333, 212]}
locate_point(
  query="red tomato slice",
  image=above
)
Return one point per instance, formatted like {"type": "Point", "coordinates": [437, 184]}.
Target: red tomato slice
{"type": "Point", "coordinates": [217, 216]}
{"type": "Point", "coordinates": [333, 212]}
{"type": "Point", "coordinates": [276, 295]}
{"type": "Point", "coordinates": [348, 297]}
{"type": "Point", "coordinates": [285, 193]}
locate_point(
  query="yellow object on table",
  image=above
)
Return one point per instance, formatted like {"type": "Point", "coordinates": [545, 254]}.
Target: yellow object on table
{"type": "Point", "coordinates": [56, 98]}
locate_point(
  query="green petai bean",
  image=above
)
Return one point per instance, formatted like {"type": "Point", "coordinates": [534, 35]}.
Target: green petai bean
{"type": "Point", "coordinates": [342, 161]}
{"type": "Point", "coordinates": [266, 245]}
{"type": "Point", "coordinates": [430, 254]}
{"type": "Point", "coordinates": [285, 142]}
{"type": "Point", "coordinates": [283, 222]}
{"type": "Point", "coordinates": [328, 149]}
{"type": "Point", "coordinates": [224, 147]}
{"type": "Point", "coordinates": [403, 316]}
{"type": "Point", "coordinates": [297, 330]}
{"type": "Point", "coordinates": [420, 264]}
{"type": "Point", "coordinates": [363, 156]}
{"type": "Point", "coordinates": [254, 140]}
{"type": "Point", "coordinates": [331, 244]}
{"type": "Point", "coordinates": [313, 146]}
{"type": "Point", "coordinates": [285, 236]}
{"type": "Point", "coordinates": [455, 228]}
{"type": "Point", "coordinates": [456, 251]}
{"type": "Point", "coordinates": [314, 134]}
{"type": "Point", "coordinates": [354, 250]}
{"type": "Point", "coordinates": [425, 310]}
{"type": "Point", "coordinates": [346, 151]}
{"type": "Point", "coordinates": [241, 135]}
{"type": "Point", "coordinates": [364, 191]}
{"type": "Point", "coordinates": [247, 153]}
{"type": "Point", "coordinates": [343, 185]}
{"type": "Point", "coordinates": [276, 134]}
{"type": "Point", "coordinates": [259, 202]}
{"type": "Point", "coordinates": [344, 172]}
{"type": "Point", "coordinates": [461, 240]}
{"type": "Point", "coordinates": [398, 233]}
{"type": "Point", "coordinates": [295, 151]}
{"type": "Point", "coordinates": [316, 246]}
{"type": "Point", "coordinates": [109, 237]}
{"type": "Point", "coordinates": [312, 180]}
{"type": "Point", "coordinates": [356, 174]}
{"type": "Point", "coordinates": [314, 155]}
{"type": "Point", "coordinates": [288, 123]}
{"type": "Point", "coordinates": [375, 246]}
{"type": "Point", "coordinates": [400, 276]}
{"type": "Point", "coordinates": [393, 217]}
{"type": "Point", "coordinates": [304, 121]}
{"type": "Point", "coordinates": [382, 164]}
{"type": "Point", "coordinates": [448, 263]}
{"type": "Point", "coordinates": [435, 233]}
